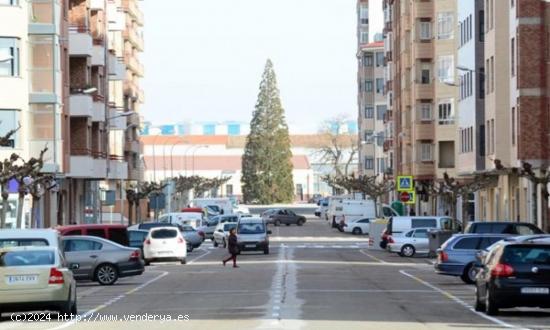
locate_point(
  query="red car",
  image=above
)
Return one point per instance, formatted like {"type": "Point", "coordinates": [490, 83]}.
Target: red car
{"type": "Point", "coordinates": [113, 232]}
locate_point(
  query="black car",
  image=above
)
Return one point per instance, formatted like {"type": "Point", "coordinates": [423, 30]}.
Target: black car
{"type": "Point", "coordinates": [286, 217]}
{"type": "Point", "coordinates": [515, 273]}
{"type": "Point", "coordinates": [503, 227]}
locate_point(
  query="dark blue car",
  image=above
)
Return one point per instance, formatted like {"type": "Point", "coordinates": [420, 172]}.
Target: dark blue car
{"type": "Point", "coordinates": [457, 256]}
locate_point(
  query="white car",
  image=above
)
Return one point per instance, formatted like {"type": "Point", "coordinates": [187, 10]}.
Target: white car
{"type": "Point", "coordinates": [221, 232]}
{"type": "Point", "coordinates": [412, 242]}
{"type": "Point", "coordinates": [194, 219]}
{"type": "Point", "coordinates": [358, 226]}
{"type": "Point", "coordinates": [164, 243]}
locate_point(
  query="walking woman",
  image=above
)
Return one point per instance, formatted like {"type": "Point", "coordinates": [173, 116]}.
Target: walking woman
{"type": "Point", "coordinates": [232, 248]}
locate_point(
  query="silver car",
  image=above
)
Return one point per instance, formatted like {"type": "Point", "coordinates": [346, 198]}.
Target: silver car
{"type": "Point", "coordinates": [412, 242]}
{"type": "Point", "coordinates": [97, 259]}
{"type": "Point", "coordinates": [192, 237]}
{"type": "Point", "coordinates": [222, 232]}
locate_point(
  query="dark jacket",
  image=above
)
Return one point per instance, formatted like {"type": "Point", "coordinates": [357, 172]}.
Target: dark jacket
{"type": "Point", "coordinates": [232, 246]}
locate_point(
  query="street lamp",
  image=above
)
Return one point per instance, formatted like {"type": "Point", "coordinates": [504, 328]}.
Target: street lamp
{"type": "Point", "coordinates": [172, 156]}
{"type": "Point", "coordinates": [123, 114]}
{"type": "Point", "coordinates": [5, 58]}
{"type": "Point", "coordinates": [193, 155]}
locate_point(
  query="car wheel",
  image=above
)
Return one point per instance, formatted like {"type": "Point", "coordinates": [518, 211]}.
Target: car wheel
{"type": "Point", "coordinates": [147, 262]}
{"type": "Point", "coordinates": [183, 261]}
{"type": "Point", "coordinates": [479, 306]}
{"type": "Point", "coordinates": [266, 251]}
{"type": "Point", "coordinates": [469, 274]}
{"type": "Point", "coordinates": [189, 248]}
{"type": "Point", "coordinates": [68, 307]}
{"type": "Point", "coordinates": [106, 274]}
{"type": "Point", "coordinates": [300, 222]}
{"type": "Point", "coordinates": [215, 243]}
{"type": "Point", "coordinates": [408, 251]}
{"type": "Point", "coordinates": [288, 224]}
{"type": "Point", "coordinates": [491, 307]}
{"type": "Point", "coordinates": [277, 223]}
{"type": "Point", "coordinates": [357, 231]}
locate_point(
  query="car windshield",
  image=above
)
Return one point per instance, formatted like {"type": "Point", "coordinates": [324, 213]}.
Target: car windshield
{"type": "Point", "coordinates": [517, 255]}
{"type": "Point", "coordinates": [12, 242]}
{"type": "Point", "coordinates": [251, 228]}
{"type": "Point", "coordinates": [229, 226]}
{"type": "Point", "coordinates": [150, 225]}
{"type": "Point", "coordinates": [164, 233]}
{"type": "Point", "coordinates": [27, 258]}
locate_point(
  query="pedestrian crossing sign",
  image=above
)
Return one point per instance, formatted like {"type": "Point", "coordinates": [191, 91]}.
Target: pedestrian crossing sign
{"type": "Point", "coordinates": [405, 183]}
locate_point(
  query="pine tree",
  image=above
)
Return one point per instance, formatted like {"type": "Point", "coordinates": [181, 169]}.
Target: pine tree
{"type": "Point", "coordinates": [267, 160]}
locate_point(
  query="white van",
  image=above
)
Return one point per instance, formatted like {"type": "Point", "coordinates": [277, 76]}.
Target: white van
{"type": "Point", "coordinates": [214, 204]}
{"type": "Point", "coordinates": [353, 209]}
{"type": "Point", "coordinates": [400, 225]}
{"type": "Point", "coordinates": [30, 237]}
{"type": "Point", "coordinates": [193, 219]}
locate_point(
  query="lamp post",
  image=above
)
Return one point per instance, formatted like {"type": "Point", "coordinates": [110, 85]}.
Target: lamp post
{"type": "Point", "coordinates": [193, 155]}
{"type": "Point", "coordinates": [172, 156]}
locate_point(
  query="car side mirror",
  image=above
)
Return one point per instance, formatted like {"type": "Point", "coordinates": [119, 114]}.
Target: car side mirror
{"type": "Point", "coordinates": [74, 266]}
{"type": "Point", "coordinates": [269, 232]}
{"type": "Point", "coordinates": [220, 230]}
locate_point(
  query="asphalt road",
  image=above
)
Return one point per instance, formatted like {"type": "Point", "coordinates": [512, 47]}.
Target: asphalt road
{"type": "Point", "coordinates": [303, 209]}
{"type": "Point", "coordinates": [314, 278]}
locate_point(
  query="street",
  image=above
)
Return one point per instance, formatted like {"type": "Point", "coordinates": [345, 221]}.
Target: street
{"type": "Point", "coordinates": [314, 278]}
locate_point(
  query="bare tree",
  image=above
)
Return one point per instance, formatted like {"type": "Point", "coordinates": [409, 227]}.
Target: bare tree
{"type": "Point", "coordinates": [337, 147]}
{"type": "Point", "coordinates": [542, 179]}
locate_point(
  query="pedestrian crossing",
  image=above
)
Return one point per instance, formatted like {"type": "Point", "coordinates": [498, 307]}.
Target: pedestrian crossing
{"type": "Point", "coordinates": [209, 246]}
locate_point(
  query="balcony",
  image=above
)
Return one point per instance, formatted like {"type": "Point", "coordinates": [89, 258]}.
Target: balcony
{"type": "Point", "coordinates": [130, 6]}
{"type": "Point", "coordinates": [388, 145]}
{"type": "Point", "coordinates": [134, 65]}
{"type": "Point", "coordinates": [132, 146]}
{"type": "Point", "coordinates": [81, 105]}
{"type": "Point", "coordinates": [141, 96]}
{"type": "Point", "coordinates": [423, 169]}
{"type": "Point", "coordinates": [116, 121]}
{"type": "Point", "coordinates": [423, 50]}
{"type": "Point", "coordinates": [388, 116]}
{"type": "Point", "coordinates": [424, 91]}
{"type": "Point", "coordinates": [84, 165]}
{"type": "Point", "coordinates": [118, 168]}
{"type": "Point", "coordinates": [423, 9]}
{"type": "Point", "coordinates": [98, 113]}
{"type": "Point", "coordinates": [98, 55]}
{"type": "Point", "coordinates": [133, 37]}
{"type": "Point", "coordinates": [80, 41]}
{"type": "Point", "coordinates": [424, 130]}
{"type": "Point", "coordinates": [117, 68]}
{"type": "Point", "coordinates": [130, 88]}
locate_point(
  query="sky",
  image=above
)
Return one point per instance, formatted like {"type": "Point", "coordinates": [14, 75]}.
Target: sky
{"type": "Point", "coordinates": [204, 58]}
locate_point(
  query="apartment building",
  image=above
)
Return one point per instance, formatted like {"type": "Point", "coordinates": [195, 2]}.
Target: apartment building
{"type": "Point", "coordinates": [372, 108]}
{"type": "Point", "coordinates": [421, 52]}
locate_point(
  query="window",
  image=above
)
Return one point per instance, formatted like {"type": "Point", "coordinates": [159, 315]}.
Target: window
{"type": "Point", "coordinates": [119, 235]}
{"type": "Point", "coordinates": [513, 126]}
{"type": "Point", "coordinates": [368, 60]}
{"type": "Point", "coordinates": [364, 37]}
{"type": "Point", "coordinates": [234, 129]}
{"type": "Point", "coordinates": [96, 232]}
{"type": "Point", "coordinates": [380, 59]}
{"type": "Point", "coordinates": [368, 136]}
{"type": "Point", "coordinates": [445, 25]}
{"type": "Point", "coordinates": [379, 86]}
{"type": "Point", "coordinates": [9, 57]}
{"type": "Point", "coordinates": [364, 15]}
{"type": "Point", "coordinates": [369, 112]}
{"type": "Point", "coordinates": [491, 14]}
{"type": "Point", "coordinates": [9, 120]}
{"type": "Point", "coordinates": [469, 243]}
{"type": "Point", "coordinates": [482, 140]}
{"type": "Point", "coordinates": [41, 117]}
{"type": "Point", "coordinates": [229, 189]}
{"type": "Point", "coordinates": [492, 74]}
{"type": "Point", "coordinates": [481, 17]}
{"type": "Point", "coordinates": [425, 76]}
{"type": "Point", "coordinates": [427, 223]}
{"type": "Point", "coordinates": [481, 83]}
{"type": "Point", "coordinates": [425, 30]}
{"type": "Point", "coordinates": [492, 136]}
{"type": "Point", "coordinates": [369, 163]}
{"type": "Point", "coordinates": [513, 56]}
{"type": "Point", "coordinates": [368, 86]}
{"type": "Point", "coordinates": [41, 64]}
{"type": "Point", "coordinates": [209, 129]}
{"type": "Point", "coordinates": [445, 111]}
{"type": "Point", "coordinates": [425, 111]}
{"type": "Point", "coordinates": [9, 2]}
{"type": "Point", "coordinates": [445, 68]}
{"type": "Point", "coordinates": [426, 152]}
{"type": "Point", "coordinates": [421, 233]}
{"type": "Point", "coordinates": [76, 245]}
{"type": "Point", "coordinates": [380, 112]}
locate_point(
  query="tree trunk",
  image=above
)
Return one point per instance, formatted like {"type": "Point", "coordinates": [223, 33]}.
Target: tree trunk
{"type": "Point", "coordinates": [35, 212]}
{"type": "Point", "coordinates": [138, 211]}
{"type": "Point", "coordinates": [20, 203]}
{"type": "Point", "coordinates": [5, 206]}
{"type": "Point", "coordinates": [130, 205]}
{"type": "Point", "coordinates": [465, 214]}
{"type": "Point", "coordinates": [544, 207]}
{"type": "Point", "coordinates": [535, 198]}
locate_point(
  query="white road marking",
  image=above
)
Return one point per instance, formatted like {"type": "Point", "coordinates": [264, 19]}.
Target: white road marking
{"type": "Point", "coordinates": [319, 262]}
{"type": "Point", "coordinates": [199, 257]}
{"type": "Point", "coordinates": [372, 257]}
{"type": "Point", "coordinates": [461, 302]}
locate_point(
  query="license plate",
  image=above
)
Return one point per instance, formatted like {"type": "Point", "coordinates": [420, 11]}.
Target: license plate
{"type": "Point", "coordinates": [535, 290]}
{"type": "Point", "coordinates": [21, 279]}
{"type": "Point", "coordinates": [250, 245]}
{"type": "Point", "coordinates": [163, 252]}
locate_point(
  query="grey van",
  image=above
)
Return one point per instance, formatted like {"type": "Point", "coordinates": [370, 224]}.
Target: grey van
{"type": "Point", "coordinates": [252, 235]}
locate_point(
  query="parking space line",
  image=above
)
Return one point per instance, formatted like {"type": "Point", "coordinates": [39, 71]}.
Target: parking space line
{"type": "Point", "coordinates": [372, 257]}
{"type": "Point", "coordinates": [461, 302]}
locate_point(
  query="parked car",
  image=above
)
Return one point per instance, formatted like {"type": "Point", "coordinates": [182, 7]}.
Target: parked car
{"type": "Point", "coordinates": [286, 217]}
{"type": "Point", "coordinates": [209, 227]}
{"type": "Point", "coordinates": [252, 235]}
{"type": "Point", "coordinates": [193, 238]}
{"type": "Point", "coordinates": [222, 232]}
{"type": "Point", "coordinates": [457, 256]}
{"type": "Point", "coordinates": [358, 226]}
{"type": "Point", "coordinates": [322, 209]}
{"type": "Point", "coordinates": [165, 243]}
{"type": "Point", "coordinates": [113, 232]}
{"type": "Point", "coordinates": [403, 224]}
{"type": "Point", "coordinates": [36, 278]}
{"type": "Point", "coordinates": [136, 238]}
{"type": "Point", "coordinates": [412, 242]}
{"type": "Point", "coordinates": [97, 259]}
{"type": "Point", "coordinates": [194, 219]}
{"type": "Point", "coordinates": [268, 213]}
{"type": "Point", "coordinates": [514, 273]}
{"type": "Point", "coordinates": [149, 225]}
{"type": "Point", "coordinates": [30, 237]}
{"type": "Point", "coordinates": [502, 227]}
